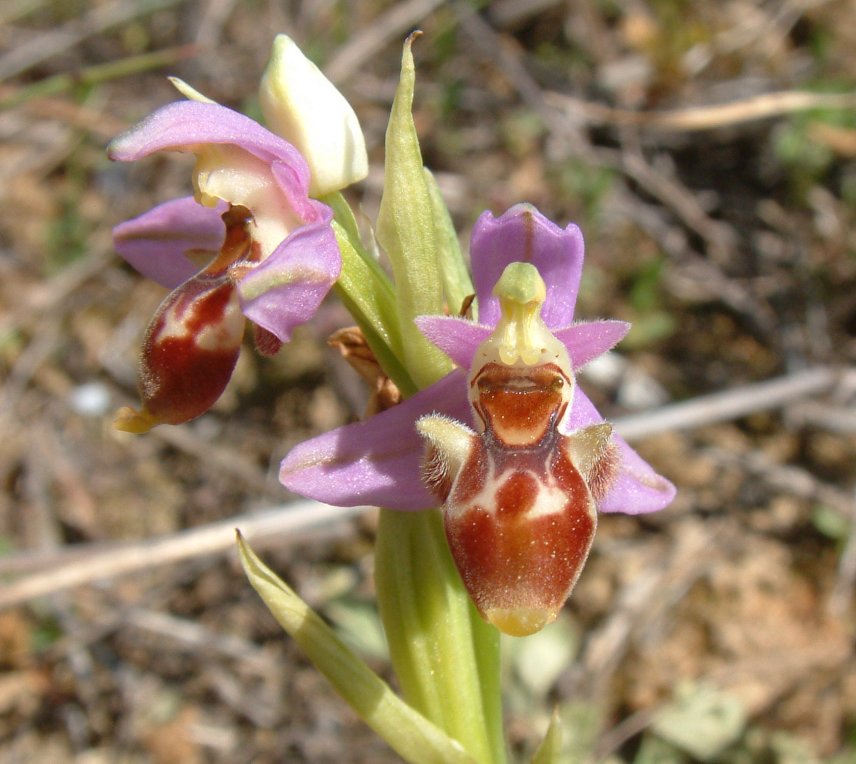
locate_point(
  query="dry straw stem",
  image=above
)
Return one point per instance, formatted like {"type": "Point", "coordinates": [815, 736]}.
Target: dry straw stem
{"type": "Point", "coordinates": [732, 404]}
{"type": "Point", "coordinates": [90, 563]}
{"type": "Point", "coordinates": [697, 118]}
{"type": "Point", "coordinates": [108, 561]}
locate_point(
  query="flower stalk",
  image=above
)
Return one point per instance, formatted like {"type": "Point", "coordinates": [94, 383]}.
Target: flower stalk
{"type": "Point", "coordinates": [445, 656]}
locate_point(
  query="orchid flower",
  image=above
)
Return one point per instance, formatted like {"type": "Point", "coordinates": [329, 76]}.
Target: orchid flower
{"type": "Point", "coordinates": [272, 251]}
{"type": "Point", "coordinates": [382, 460]}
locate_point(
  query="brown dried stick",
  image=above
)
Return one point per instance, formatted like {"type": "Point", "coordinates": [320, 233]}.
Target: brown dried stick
{"type": "Point", "coordinates": [398, 19]}
{"type": "Point", "coordinates": [732, 404]}
{"type": "Point", "coordinates": [697, 118]}
{"type": "Point", "coordinates": [121, 559]}
{"type": "Point", "coordinates": [56, 41]}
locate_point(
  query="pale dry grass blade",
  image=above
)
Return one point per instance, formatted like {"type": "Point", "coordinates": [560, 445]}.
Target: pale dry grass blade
{"type": "Point", "coordinates": [123, 559]}
{"type": "Point", "coordinates": [698, 118]}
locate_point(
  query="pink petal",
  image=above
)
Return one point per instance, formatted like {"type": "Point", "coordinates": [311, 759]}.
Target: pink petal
{"type": "Point", "coordinates": [459, 339]}
{"type": "Point", "coordinates": [157, 242]}
{"type": "Point", "coordinates": [286, 289]}
{"type": "Point", "coordinates": [638, 488]}
{"type": "Point", "coordinates": [524, 234]}
{"type": "Point", "coordinates": [456, 337]}
{"type": "Point", "coordinates": [587, 340]}
{"type": "Point", "coordinates": [185, 125]}
{"type": "Point", "coordinates": [378, 461]}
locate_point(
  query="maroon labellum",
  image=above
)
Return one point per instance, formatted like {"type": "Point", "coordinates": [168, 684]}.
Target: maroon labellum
{"type": "Point", "coordinates": [193, 341]}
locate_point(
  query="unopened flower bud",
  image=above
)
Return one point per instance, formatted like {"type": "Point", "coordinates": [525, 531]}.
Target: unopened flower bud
{"type": "Point", "coordinates": [304, 107]}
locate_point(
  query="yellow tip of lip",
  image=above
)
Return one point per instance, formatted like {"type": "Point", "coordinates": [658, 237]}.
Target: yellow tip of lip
{"type": "Point", "coordinates": [136, 422]}
{"type": "Point", "coordinates": [520, 621]}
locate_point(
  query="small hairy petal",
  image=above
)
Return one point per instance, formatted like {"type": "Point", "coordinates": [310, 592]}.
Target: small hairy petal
{"type": "Point", "coordinates": [378, 461]}
{"type": "Point", "coordinates": [636, 487]}
{"type": "Point", "coordinates": [158, 242]}
{"type": "Point", "coordinates": [522, 234]}
{"type": "Point", "coordinates": [588, 340]}
{"type": "Point", "coordinates": [456, 337]}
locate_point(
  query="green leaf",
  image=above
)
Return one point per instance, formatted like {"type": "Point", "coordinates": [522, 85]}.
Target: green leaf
{"type": "Point", "coordinates": [830, 523]}
{"type": "Point", "coordinates": [540, 659]}
{"type": "Point", "coordinates": [701, 720]}
{"type": "Point", "coordinates": [656, 751]}
{"type": "Point", "coordinates": [358, 623]}
{"type": "Point", "coordinates": [409, 733]}
{"type": "Point", "coordinates": [550, 750]}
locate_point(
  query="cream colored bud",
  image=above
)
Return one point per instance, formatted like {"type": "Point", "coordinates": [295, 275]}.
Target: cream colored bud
{"type": "Point", "coordinates": [300, 104]}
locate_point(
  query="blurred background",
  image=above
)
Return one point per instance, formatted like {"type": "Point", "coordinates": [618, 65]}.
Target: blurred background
{"type": "Point", "coordinates": [707, 150]}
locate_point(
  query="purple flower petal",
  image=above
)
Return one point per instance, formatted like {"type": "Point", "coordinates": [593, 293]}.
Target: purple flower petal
{"type": "Point", "coordinates": [286, 289]}
{"type": "Point", "coordinates": [524, 234]}
{"type": "Point", "coordinates": [157, 242]}
{"type": "Point", "coordinates": [187, 125]}
{"type": "Point", "coordinates": [589, 339]}
{"type": "Point", "coordinates": [378, 461]}
{"type": "Point", "coordinates": [456, 337]}
{"type": "Point", "coordinates": [638, 488]}
{"type": "Point", "coordinates": [459, 339]}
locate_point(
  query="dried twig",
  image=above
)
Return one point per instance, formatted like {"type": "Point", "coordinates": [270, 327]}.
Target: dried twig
{"type": "Point", "coordinates": [674, 195]}
{"type": "Point", "coordinates": [731, 404]}
{"type": "Point", "coordinates": [697, 118]}
{"type": "Point", "coordinates": [94, 75]}
{"type": "Point", "coordinates": [98, 19]}
{"type": "Point", "coordinates": [122, 559]}
{"type": "Point", "coordinates": [787, 478]}
{"type": "Point", "coordinates": [841, 596]}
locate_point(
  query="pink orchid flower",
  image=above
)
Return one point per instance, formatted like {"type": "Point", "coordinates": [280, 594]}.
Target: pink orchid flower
{"type": "Point", "coordinates": [517, 454]}
{"type": "Point", "coordinates": [378, 461]}
{"type": "Point", "coordinates": [271, 251]}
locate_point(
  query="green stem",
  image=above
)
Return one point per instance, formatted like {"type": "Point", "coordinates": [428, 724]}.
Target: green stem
{"type": "Point", "coordinates": [445, 656]}
{"type": "Point", "coordinates": [367, 294]}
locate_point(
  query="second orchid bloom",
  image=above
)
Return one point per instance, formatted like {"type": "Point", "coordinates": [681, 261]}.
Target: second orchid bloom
{"type": "Point", "coordinates": [267, 250]}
